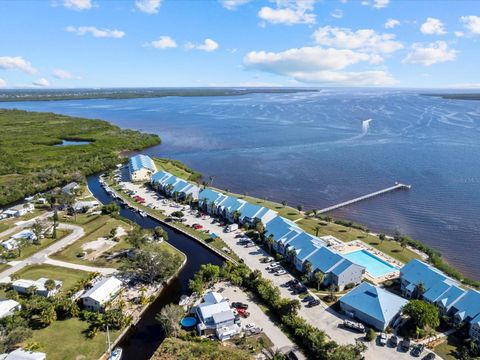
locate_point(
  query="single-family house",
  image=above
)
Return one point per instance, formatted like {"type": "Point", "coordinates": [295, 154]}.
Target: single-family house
{"type": "Point", "coordinates": [10, 244]}
{"type": "Point", "coordinates": [70, 188]}
{"type": "Point", "coordinates": [83, 206]}
{"type": "Point", "coordinates": [372, 305]}
{"type": "Point", "coordinates": [25, 235]}
{"type": "Point", "coordinates": [22, 286]}
{"type": "Point", "coordinates": [216, 317]}
{"type": "Point", "coordinates": [21, 354]}
{"type": "Point", "coordinates": [101, 293]}
{"type": "Point", "coordinates": [141, 167]}
{"type": "Point", "coordinates": [9, 307]}
{"type": "Point", "coordinates": [19, 210]}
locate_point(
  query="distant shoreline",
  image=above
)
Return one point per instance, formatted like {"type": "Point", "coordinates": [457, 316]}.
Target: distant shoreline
{"type": "Point", "coordinates": [112, 94]}
{"type": "Point", "coordinates": [464, 96]}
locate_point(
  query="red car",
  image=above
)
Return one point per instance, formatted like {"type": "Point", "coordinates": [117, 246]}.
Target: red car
{"type": "Point", "coordinates": [197, 226]}
{"type": "Point", "coordinates": [243, 313]}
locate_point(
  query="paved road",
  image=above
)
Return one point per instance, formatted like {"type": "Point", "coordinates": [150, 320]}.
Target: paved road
{"type": "Point", "coordinates": [42, 256]}
{"type": "Point", "coordinates": [321, 316]}
{"type": "Point", "coordinates": [101, 270]}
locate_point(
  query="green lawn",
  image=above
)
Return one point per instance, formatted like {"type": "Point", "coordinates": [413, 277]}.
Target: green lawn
{"type": "Point", "coordinates": [69, 276]}
{"type": "Point", "coordinates": [447, 349]}
{"type": "Point", "coordinates": [65, 340]}
{"type": "Point", "coordinates": [10, 222]}
{"type": "Point", "coordinates": [31, 249]}
{"type": "Point", "coordinates": [4, 267]}
{"type": "Point", "coordinates": [99, 227]}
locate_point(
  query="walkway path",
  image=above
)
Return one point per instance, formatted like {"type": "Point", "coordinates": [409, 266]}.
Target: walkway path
{"type": "Point", "coordinates": [101, 270]}
{"type": "Point", "coordinates": [41, 257]}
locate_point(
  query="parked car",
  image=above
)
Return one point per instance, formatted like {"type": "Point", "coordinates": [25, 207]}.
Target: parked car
{"type": "Point", "coordinates": [197, 226]}
{"type": "Point", "coordinates": [394, 341]}
{"type": "Point", "coordinates": [240, 305]}
{"type": "Point", "coordinates": [250, 326]}
{"type": "Point", "coordinates": [382, 339]}
{"type": "Point", "coordinates": [354, 325]}
{"type": "Point", "coordinates": [429, 356]}
{"type": "Point", "coordinates": [292, 282]}
{"type": "Point", "coordinates": [243, 313]}
{"type": "Point", "coordinates": [405, 344]}
{"type": "Point", "coordinates": [280, 272]}
{"type": "Point", "coordinates": [313, 303]}
{"type": "Point", "coordinates": [418, 350]}
{"type": "Point", "coordinates": [301, 289]}
{"type": "Point", "coordinates": [308, 298]}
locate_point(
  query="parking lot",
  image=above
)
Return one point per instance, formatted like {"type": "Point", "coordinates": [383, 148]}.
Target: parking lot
{"type": "Point", "coordinates": [321, 316]}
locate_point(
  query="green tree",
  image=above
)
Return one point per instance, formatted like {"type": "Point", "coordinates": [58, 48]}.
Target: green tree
{"type": "Point", "coordinates": [38, 228]}
{"type": "Point", "coordinates": [422, 314]}
{"type": "Point", "coordinates": [299, 208]}
{"type": "Point", "coordinates": [159, 233]}
{"type": "Point", "coordinates": [307, 266]}
{"type": "Point", "coordinates": [419, 290]}
{"type": "Point", "coordinates": [55, 224]}
{"type": "Point", "coordinates": [370, 335]}
{"type": "Point", "coordinates": [382, 237]}
{"type": "Point", "coordinates": [169, 317]}
{"type": "Point", "coordinates": [236, 216]}
{"type": "Point", "coordinates": [270, 242]}
{"type": "Point", "coordinates": [319, 278]}
{"type": "Point", "coordinates": [48, 315]}
{"type": "Point", "coordinates": [50, 284]}
{"type": "Point", "coordinates": [210, 272]}
{"type": "Point", "coordinates": [111, 209]}
{"type": "Point", "coordinates": [284, 203]}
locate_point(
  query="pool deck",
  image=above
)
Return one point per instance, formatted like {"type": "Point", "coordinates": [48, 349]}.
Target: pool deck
{"type": "Point", "coordinates": [360, 245]}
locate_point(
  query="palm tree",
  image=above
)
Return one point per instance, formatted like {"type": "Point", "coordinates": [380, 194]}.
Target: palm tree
{"type": "Point", "coordinates": [317, 229]}
{"type": "Point", "coordinates": [307, 266]}
{"type": "Point", "coordinates": [270, 242]}
{"type": "Point", "coordinates": [236, 215]}
{"type": "Point", "coordinates": [204, 204]}
{"type": "Point", "coordinates": [50, 284]}
{"type": "Point", "coordinates": [291, 254]}
{"type": "Point", "coordinates": [319, 278]}
{"type": "Point", "coordinates": [299, 208]}
{"type": "Point", "coordinates": [55, 224]}
{"type": "Point", "coordinates": [210, 180]}
{"type": "Point", "coordinates": [381, 237]}
{"type": "Point", "coordinates": [403, 244]}
{"type": "Point", "coordinates": [419, 290]}
{"type": "Point", "coordinates": [315, 212]}
{"type": "Point", "coordinates": [284, 203]}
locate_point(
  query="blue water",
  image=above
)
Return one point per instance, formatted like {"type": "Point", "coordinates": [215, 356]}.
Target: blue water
{"type": "Point", "coordinates": [317, 149]}
{"type": "Point", "coordinates": [188, 321]}
{"type": "Point", "coordinates": [73, 143]}
{"type": "Point", "coordinates": [375, 266]}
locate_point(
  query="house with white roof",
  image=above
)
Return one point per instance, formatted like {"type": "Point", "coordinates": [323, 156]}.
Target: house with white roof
{"type": "Point", "coordinates": [216, 317]}
{"type": "Point", "coordinates": [372, 305]}
{"type": "Point", "coordinates": [19, 210]}
{"type": "Point", "coordinates": [9, 307]}
{"type": "Point", "coordinates": [21, 354]}
{"type": "Point", "coordinates": [10, 244]}
{"type": "Point", "coordinates": [22, 286]}
{"type": "Point", "coordinates": [101, 293]}
{"type": "Point", "coordinates": [141, 167]}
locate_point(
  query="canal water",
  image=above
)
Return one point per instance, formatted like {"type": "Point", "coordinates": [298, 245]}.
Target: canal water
{"type": "Point", "coordinates": [142, 341]}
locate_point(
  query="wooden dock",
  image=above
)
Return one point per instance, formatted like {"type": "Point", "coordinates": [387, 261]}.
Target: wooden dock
{"type": "Point", "coordinates": [397, 186]}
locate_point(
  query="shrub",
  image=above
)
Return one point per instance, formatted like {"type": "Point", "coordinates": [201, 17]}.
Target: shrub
{"type": "Point", "coordinates": [370, 335]}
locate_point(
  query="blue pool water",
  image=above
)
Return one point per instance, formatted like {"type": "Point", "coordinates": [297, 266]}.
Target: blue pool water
{"type": "Point", "coordinates": [376, 267]}
{"type": "Point", "coordinates": [188, 322]}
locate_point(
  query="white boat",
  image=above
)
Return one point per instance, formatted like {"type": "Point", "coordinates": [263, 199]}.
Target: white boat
{"type": "Point", "coordinates": [184, 300]}
{"type": "Point", "coordinates": [143, 213]}
{"type": "Point", "coordinates": [115, 354]}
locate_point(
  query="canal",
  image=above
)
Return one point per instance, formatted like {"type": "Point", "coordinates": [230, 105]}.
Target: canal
{"type": "Point", "coordinates": [143, 339]}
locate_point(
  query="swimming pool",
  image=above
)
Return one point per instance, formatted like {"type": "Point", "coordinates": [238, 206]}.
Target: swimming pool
{"type": "Point", "coordinates": [375, 266]}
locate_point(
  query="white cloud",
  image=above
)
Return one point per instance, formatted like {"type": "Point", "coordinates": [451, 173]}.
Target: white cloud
{"type": "Point", "coordinates": [95, 32]}
{"type": "Point", "coordinates": [233, 4]}
{"type": "Point", "coordinates": [289, 12]}
{"type": "Point", "coordinates": [433, 26]}
{"type": "Point", "coordinates": [78, 4]}
{"type": "Point", "coordinates": [164, 42]}
{"type": "Point", "coordinates": [377, 4]}
{"type": "Point", "coordinates": [430, 54]}
{"type": "Point", "coordinates": [337, 13]}
{"type": "Point", "coordinates": [208, 45]}
{"type": "Point", "coordinates": [148, 6]}
{"type": "Point", "coordinates": [459, 33]}
{"type": "Point", "coordinates": [41, 82]}
{"type": "Point", "coordinates": [317, 65]}
{"type": "Point", "coordinates": [471, 23]}
{"type": "Point", "coordinates": [62, 74]}
{"type": "Point", "coordinates": [362, 40]}
{"type": "Point", "coordinates": [16, 63]}
{"type": "Point", "coordinates": [391, 23]}
{"type": "Point", "coordinates": [2, 83]}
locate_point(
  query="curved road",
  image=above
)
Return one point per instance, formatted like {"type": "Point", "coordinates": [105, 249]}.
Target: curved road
{"type": "Point", "coordinates": [42, 256]}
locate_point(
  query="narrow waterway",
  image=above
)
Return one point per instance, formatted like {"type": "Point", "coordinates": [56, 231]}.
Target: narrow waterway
{"type": "Point", "coordinates": [141, 342]}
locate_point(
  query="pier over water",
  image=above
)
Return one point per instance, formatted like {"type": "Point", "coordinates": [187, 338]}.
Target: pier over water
{"type": "Point", "coordinates": [397, 186]}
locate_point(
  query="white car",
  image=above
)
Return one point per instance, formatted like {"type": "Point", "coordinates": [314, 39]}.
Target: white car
{"type": "Point", "coordinates": [250, 326]}
{"type": "Point", "coordinates": [272, 266]}
{"type": "Point", "coordinates": [280, 272]}
{"type": "Point", "coordinates": [383, 339]}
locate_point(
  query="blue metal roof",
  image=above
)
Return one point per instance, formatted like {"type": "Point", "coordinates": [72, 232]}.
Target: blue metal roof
{"type": "Point", "coordinates": [250, 210]}
{"type": "Point", "coordinates": [141, 161]}
{"type": "Point", "coordinates": [450, 296]}
{"type": "Point", "coordinates": [231, 203]}
{"type": "Point", "coordinates": [210, 195]}
{"type": "Point", "coordinates": [305, 244]}
{"type": "Point", "coordinates": [324, 259]}
{"type": "Point", "coordinates": [375, 302]}
{"type": "Point", "coordinates": [279, 227]}
{"type": "Point", "coordinates": [467, 307]}
{"type": "Point", "coordinates": [342, 266]}
{"type": "Point", "coordinates": [160, 176]}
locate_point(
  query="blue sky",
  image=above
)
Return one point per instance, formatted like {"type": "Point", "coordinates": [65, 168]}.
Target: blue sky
{"type": "Point", "coordinates": [95, 43]}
